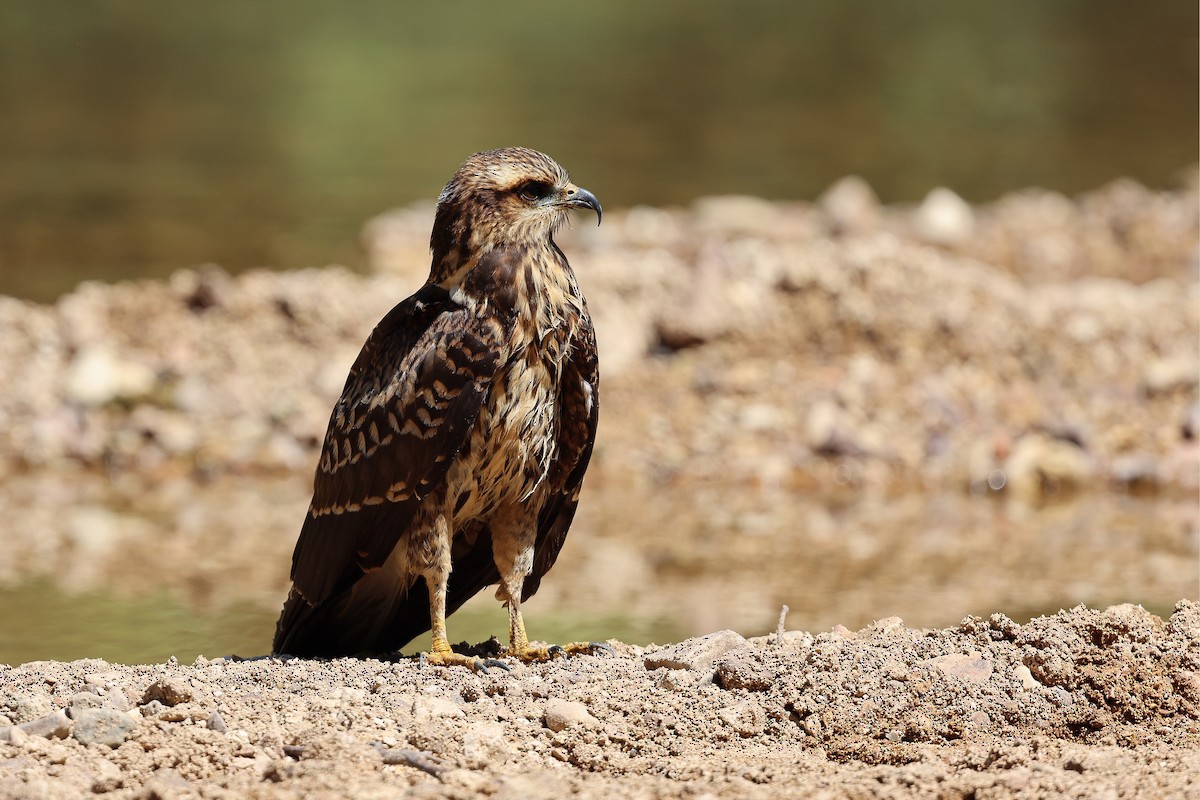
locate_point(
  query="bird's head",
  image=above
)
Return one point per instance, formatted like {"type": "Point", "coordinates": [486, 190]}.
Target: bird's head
{"type": "Point", "coordinates": [510, 196]}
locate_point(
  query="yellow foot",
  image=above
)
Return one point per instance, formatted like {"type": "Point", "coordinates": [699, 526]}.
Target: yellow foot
{"type": "Point", "coordinates": [532, 655]}
{"type": "Point", "coordinates": [449, 658]}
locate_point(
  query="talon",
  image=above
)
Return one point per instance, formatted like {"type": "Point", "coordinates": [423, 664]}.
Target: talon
{"type": "Point", "coordinates": [448, 658]}
{"type": "Point", "coordinates": [531, 655]}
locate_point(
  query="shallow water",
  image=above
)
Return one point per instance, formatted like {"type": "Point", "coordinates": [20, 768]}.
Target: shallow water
{"type": "Point", "coordinates": [140, 573]}
{"type": "Point", "coordinates": [138, 139]}
{"type": "Point", "coordinates": [44, 622]}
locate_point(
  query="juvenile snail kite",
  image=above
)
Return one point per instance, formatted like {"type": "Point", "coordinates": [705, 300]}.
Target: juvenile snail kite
{"type": "Point", "coordinates": [454, 457]}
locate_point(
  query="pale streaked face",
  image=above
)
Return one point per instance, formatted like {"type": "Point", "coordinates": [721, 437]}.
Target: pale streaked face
{"type": "Point", "coordinates": [519, 193]}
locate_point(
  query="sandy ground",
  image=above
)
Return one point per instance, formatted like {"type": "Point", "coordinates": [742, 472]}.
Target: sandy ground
{"type": "Point", "coordinates": [1086, 704]}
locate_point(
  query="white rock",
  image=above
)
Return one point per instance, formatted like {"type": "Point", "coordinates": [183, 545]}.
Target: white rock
{"type": "Point", "coordinates": [944, 218]}
{"type": "Point", "coordinates": [1166, 374]}
{"type": "Point", "coordinates": [851, 205]}
{"type": "Point", "coordinates": [1022, 673]}
{"type": "Point", "coordinates": [97, 376]}
{"type": "Point", "coordinates": [560, 714]}
{"type": "Point", "coordinates": [698, 654]}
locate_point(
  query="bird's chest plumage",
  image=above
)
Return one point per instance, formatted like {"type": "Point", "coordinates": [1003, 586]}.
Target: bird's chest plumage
{"type": "Point", "coordinates": [510, 451]}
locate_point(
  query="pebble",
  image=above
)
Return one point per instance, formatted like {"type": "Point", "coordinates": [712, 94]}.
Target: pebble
{"type": "Point", "coordinates": [1162, 375]}
{"type": "Point", "coordinates": [169, 691]}
{"type": "Point", "coordinates": [744, 670]}
{"type": "Point", "coordinates": [561, 714]}
{"type": "Point", "coordinates": [97, 376]}
{"type": "Point", "coordinates": [698, 654]}
{"type": "Point", "coordinates": [52, 726]}
{"type": "Point", "coordinates": [103, 726]}
{"type": "Point", "coordinates": [82, 701]}
{"type": "Point", "coordinates": [1022, 673]}
{"type": "Point", "coordinates": [850, 205]}
{"type": "Point", "coordinates": [971, 667]}
{"type": "Point", "coordinates": [944, 218]}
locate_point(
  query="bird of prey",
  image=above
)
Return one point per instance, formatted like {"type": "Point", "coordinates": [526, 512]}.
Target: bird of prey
{"type": "Point", "coordinates": [454, 457]}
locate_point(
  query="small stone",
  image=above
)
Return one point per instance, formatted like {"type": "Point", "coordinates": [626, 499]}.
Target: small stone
{"type": "Point", "coordinates": [944, 218]}
{"type": "Point", "coordinates": [81, 702]}
{"type": "Point", "coordinates": [698, 654]}
{"type": "Point", "coordinates": [216, 722]}
{"type": "Point", "coordinates": [896, 670]}
{"type": "Point", "coordinates": [103, 726]}
{"type": "Point", "coordinates": [168, 691]}
{"type": "Point", "coordinates": [1162, 375]}
{"type": "Point", "coordinates": [971, 667]}
{"type": "Point", "coordinates": [560, 714]}
{"type": "Point", "coordinates": [27, 709]}
{"type": "Point", "coordinates": [1022, 673]}
{"type": "Point", "coordinates": [850, 205]}
{"type": "Point", "coordinates": [117, 700]}
{"type": "Point", "coordinates": [744, 671]}
{"type": "Point", "coordinates": [103, 680]}
{"type": "Point", "coordinates": [56, 726]}
{"type": "Point", "coordinates": [97, 376]}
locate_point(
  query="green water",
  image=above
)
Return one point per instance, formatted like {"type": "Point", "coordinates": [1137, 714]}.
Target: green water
{"type": "Point", "coordinates": [139, 138]}
{"type": "Point", "coordinates": [148, 629]}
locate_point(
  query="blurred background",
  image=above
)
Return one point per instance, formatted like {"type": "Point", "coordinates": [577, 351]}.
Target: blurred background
{"type": "Point", "coordinates": [141, 139]}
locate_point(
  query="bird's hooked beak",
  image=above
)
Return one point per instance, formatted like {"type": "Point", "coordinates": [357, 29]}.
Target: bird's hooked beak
{"type": "Point", "coordinates": [578, 197]}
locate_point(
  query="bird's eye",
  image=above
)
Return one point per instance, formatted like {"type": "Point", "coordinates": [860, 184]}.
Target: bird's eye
{"type": "Point", "coordinates": [532, 191]}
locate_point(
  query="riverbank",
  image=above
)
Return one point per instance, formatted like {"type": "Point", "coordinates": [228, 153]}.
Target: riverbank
{"type": "Point", "coordinates": [1084, 703]}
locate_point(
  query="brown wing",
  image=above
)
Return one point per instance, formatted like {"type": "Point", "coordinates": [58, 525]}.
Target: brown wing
{"type": "Point", "coordinates": [579, 412]}
{"type": "Point", "coordinates": [410, 400]}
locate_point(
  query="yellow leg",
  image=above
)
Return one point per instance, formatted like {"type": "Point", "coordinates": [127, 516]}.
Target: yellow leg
{"type": "Point", "coordinates": [440, 654]}
{"type": "Point", "coordinates": [518, 641]}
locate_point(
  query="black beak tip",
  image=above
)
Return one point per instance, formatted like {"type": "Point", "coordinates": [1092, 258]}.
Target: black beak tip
{"type": "Point", "coordinates": [582, 198]}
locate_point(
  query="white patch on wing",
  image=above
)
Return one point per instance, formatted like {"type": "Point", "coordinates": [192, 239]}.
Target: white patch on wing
{"type": "Point", "coordinates": [587, 395]}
